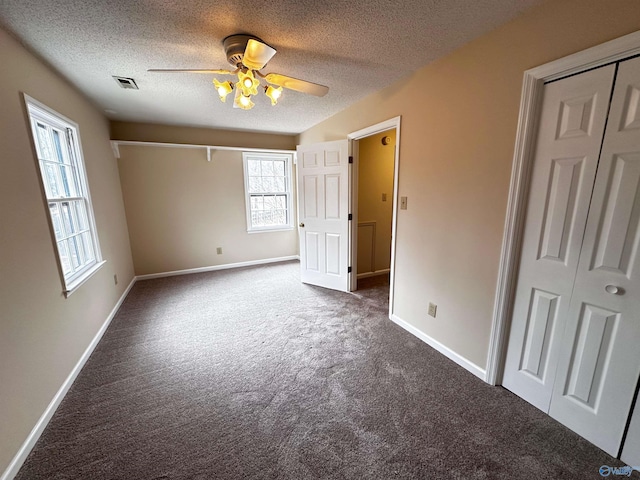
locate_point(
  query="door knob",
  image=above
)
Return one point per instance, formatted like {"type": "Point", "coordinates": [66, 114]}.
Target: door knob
{"type": "Point", "coordinates": [302, 225]}
{"type": "Point", "coordinates": [613, 290]}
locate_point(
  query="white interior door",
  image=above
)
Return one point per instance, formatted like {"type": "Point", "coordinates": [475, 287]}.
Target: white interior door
{"type": "Point", "coordinates": [570, 131]}
{"type": "Point", "coordinates": [599, 363]}
{"type": "Point", "coordinates": [323, 212]}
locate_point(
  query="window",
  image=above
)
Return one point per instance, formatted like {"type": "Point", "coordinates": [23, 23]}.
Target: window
{"type": "Point", "coordinates": [64, 182]}
{"type": "Point", "coordinates": [267, 186]}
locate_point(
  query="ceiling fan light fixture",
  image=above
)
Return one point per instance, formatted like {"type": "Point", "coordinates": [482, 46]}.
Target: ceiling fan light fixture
{"type": "Point", "coordinates": [248, 54]}
{"type": "Point", "coordinates": [273, 93]}
{"type": "Point", "coordinates": [244, 102]}
{"type": "Point", "coordinates": [248, 82]}
{"type": "Point", "coordinates": [223, 88]}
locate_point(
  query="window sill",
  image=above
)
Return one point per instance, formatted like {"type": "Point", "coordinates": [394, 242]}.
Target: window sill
{"type": "Point", "coordinates": [267, 230]}
{"type": "Point", "coordinates": [72, 287]}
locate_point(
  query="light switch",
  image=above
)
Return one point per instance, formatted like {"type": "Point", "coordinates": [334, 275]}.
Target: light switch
{"type": "Point", "coordinates": [384, 197]}
{"type": "Point", "coordinates": [403, 203]}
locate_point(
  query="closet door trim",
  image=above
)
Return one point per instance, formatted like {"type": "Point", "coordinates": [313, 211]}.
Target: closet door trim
{"type": "Point", "coordinates": [532, 86]}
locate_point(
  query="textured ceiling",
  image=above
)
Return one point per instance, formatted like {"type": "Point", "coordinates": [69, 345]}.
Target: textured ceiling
{"type": "Point", "coordinates": [355, 47]}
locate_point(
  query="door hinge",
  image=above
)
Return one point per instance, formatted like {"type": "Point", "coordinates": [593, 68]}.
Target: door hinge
{"type": "Point", "coordinates": [350, 159]}
{"type": "Point", "coordinates": [349, 270]}
{"type": "Point", "coordinates": [350, 216]}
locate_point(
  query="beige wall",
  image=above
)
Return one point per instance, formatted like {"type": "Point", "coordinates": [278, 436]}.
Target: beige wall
{"type": "Point", "coordinates": [458, 127]}
{"type": "Point", "coordinates": [459, 118]}
{"type": "Point", "coordinates": [42, 333]}
{"type": "Point", "coordinates": [375, 178]}
{"type": "Point", "coordinates": [181, 207]}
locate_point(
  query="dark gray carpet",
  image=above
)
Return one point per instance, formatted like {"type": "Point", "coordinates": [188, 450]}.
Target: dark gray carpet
{"type": "Point", "coordinates": [250, 374]}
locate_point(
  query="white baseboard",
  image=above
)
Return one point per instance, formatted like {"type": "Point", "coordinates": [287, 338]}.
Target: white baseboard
{"type": "Point", "coordinates": [374, 274]}
{"type": "Point", "coordinates": [29, 443]}
{"type": "Point", "coordinates": [446, 351]}
{"type": "Point", "coordinates": [217, 267]}
{"type": "Point", "coordinates": [32, 438]}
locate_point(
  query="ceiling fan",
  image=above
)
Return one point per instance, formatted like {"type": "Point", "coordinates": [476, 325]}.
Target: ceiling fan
{"type": "Point", "coordinates": [248, 54]}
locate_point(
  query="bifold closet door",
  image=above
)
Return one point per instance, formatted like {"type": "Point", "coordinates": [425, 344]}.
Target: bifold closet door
{"type": "Point", "coordinates": [599, 362]}
{"type": "Point", "coordinates": [570, 131]}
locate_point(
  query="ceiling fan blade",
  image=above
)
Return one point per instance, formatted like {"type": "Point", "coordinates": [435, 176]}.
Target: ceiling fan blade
{"type": "Point", "coordinates": [296, 84]}
{"type": "Point", "coordinates": [257, 54]}
{"type": "Point", "coordinates": [189, 70]}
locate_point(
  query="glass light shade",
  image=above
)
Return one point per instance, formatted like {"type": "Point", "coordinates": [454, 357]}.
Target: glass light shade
{"type": "Point", "coordinates": [273, 93]}
{"type": "Point", "coordinates": [244, 102]}
{"type": "Point", "coordinates": [248, 82]}
{"type": "Point", "coordinates": [223, 88]}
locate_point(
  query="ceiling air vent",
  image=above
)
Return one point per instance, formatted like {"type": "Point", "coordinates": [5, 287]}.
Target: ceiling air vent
{"type": "Point", "coordinates": [125, 82]}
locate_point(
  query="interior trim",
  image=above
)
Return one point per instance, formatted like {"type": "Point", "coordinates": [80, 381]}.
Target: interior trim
{"type": "Point", "coordinates": [20, 457]}
{"type": "Point", "coordinates": [216, 267]}
{"type": "Point", "coordinates": [446, 351]}
{"type": "Point", "coordinates": [357, 135]}
{"type": "Point", "coordinates": [22, 454]}
{"type": "Point", "coordinates": [532, 85]}
{"type": "Point", "coordinates": [375, 273]}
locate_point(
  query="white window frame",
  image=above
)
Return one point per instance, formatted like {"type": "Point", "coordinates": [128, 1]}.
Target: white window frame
{"type": "Point", "coordinates": [289, 191]}
{"type": "Point", "coordinates": [39, 113]}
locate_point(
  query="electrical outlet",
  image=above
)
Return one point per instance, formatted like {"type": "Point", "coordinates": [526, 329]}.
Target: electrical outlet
{"type": "Point", "coordinates": [115, 279]}
{"type": "Point", "coordinates": [219, 250]}
{"type": "Point", "coordinates": [384, 197]}
{"type": "Point", "coordinates": [403, 203]}
{"type": "Point", "coordinates": [432, 309]}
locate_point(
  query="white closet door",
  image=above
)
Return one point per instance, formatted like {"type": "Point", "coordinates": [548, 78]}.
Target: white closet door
{"type": "Point", "coordinates": [571, 127]}
{"type": "Point", "coordinates": [599, 363]}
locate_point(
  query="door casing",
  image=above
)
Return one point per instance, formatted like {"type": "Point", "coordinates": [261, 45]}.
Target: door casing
{"type": "Point", "coordinates": [533, 83]}
{"type": "Point", "coordinates": [353, 207]}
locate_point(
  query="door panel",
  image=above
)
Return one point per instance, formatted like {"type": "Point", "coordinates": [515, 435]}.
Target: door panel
{"type": "Point", "coordinates": [323, 201]}
{"type": "Point", "coordinates": [312, 251]}
{"type": "Point", "coordinates": [540, 325]}
{"type": "Point", "coordinates": [333, 253]}
{"type": "Point", "coordinates": [332, 196]}
{"type": "Point", "coordinates": [589, 360]}
{"type": "Point", "coordinates": [309, 192]}
{"type": "Point", "coordinates": [631, 115]}
{"type": "Point", "coordinates": [599, 368]}
{"type": "Point", "coordinates": [570, 131]}
{"type": "Point", "coordinates": [561, 206]}
{"type": "Point", "coordinates": [616, 239]}
{"type": "Point", "coordinates": [310, 158]}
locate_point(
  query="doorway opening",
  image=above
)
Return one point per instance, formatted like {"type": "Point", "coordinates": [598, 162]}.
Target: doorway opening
{"type": "Point", "coordinates": [373, 186]}
{"type": "Point", "coordinates": [327, 193]}
{"type": "Point", "coordinates": [374, 203]}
